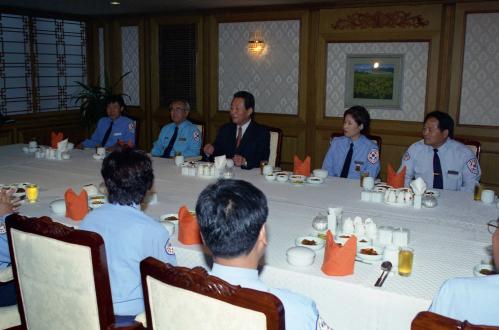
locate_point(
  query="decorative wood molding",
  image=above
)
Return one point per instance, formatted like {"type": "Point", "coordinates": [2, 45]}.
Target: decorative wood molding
{"type": "Point", "coordinates": [378, 19]}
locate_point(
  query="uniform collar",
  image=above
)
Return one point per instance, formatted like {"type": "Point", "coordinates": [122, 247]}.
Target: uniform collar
{"type": "Point", "coordinates": [182, 124]}
{"type": "Point", "coordinates": [235, 272]}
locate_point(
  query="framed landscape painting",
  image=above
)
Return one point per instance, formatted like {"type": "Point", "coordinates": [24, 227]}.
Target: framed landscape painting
{"type": "Point", "coordinates": [374, 81]}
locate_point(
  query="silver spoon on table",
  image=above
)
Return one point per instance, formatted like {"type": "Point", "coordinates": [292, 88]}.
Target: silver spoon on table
{"type": "Point", "coordinates": [386, 266]}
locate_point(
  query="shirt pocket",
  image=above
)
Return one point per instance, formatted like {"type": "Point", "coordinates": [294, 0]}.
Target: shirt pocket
{"type": "Point", "coordinates": [454, 180]}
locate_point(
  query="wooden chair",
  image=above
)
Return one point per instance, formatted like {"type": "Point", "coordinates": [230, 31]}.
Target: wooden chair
{"type": "Point", "coordinates": [61, 276]}
{"type": "Point", "coordinates": [183, 298]}
{"type": "Point", "coordinates": [474, 145]}
{"type": "Point", "coordinates": [376, 139]}
{"type": "Point", "coordinates": [432, 321]}
{"type": "Point", "coordinates": [275, 146]}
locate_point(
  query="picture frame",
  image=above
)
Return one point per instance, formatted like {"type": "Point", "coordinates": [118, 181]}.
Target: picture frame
{"type": "Point", "coordinates": [374, 80]}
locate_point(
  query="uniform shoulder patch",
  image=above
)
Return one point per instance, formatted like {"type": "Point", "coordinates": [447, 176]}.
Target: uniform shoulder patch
{"type": "Point", "coordinates": [322, 325]}
{"type": "Point", "coordinates": [131, 127]}
{"type": "Point", "coordinates": [407, 156]}
{"type": "Point", "coordinates": [195, 135]}
{"type": "Point", "coordinates": [169, 249]}
{"type": "Point", "coordinates": [473, 165]}
{"type": "Point", "coordinates": [373, 156]}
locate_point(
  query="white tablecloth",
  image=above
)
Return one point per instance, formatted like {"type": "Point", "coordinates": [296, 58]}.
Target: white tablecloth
{"type": "Point", "coordinates": [448, 240]}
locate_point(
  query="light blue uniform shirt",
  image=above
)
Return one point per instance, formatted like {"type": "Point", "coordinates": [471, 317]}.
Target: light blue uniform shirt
{"type": "Point", "coordinates": [129, 237]}
{"type": "Point", "coordinates": [4, 245]}
{"type": "Point", "coordinates": [365, 157]}
{"type": "Point", "coordinates": [300, 312]}
{"type": "Point", "coordinates": [188, 140]}
{"type": "Point", "coordinates": [123, 130]}
{"type": "Point", "coordinates": [475, 299]}
{"type": "Point", "coordinates": [460, 168]}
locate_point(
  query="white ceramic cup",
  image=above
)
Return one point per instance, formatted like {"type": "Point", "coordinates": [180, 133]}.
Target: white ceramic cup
{"type": "Point", "coordinates": [488, 196]}
{"type": "Point", "coordinates": [179, 160]}
{"type": "Point", "coordinates": [101, 151]}
{"type": "Point", "coordinates": [33, 144]}
{"type": "Point", "coordinates": [267, 169]}
{"type": "Point", "coordinates": [368, 183]}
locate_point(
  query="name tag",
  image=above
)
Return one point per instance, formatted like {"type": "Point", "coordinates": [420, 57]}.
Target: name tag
{"type": "Point", "coordinates": [117, 134]}
{"type": "Point", "coordinates": [452, 172]}
{"type": "Point", "coordinates": [182, 139]}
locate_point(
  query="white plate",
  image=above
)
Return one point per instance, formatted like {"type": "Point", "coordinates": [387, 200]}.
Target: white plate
{"type": "Point", "coordinates": [477, 268]}
{"type": "Point", "coordinates": [319, 243]}
{"type": "Point", "coordinates": [58, 206]}
{"type": "Point", "coordinates": [368, 257]}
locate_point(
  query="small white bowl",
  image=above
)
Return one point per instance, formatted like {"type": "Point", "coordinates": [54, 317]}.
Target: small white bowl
{"type": "Point", "coordinates": [318, 243]}
{"type": "Point", "coordinates": [315, 180]}
{"type": "Point", "coordinates": [298, 179]}
{"type": "Point", "coordinates": [58, 206]}
{"type": "Point", "coordinates": [300, 256]}
{"type": "Point", "coordinates": [281, 178]}
{"type": "Point", "coordinates": [368, 257]}
{"type": "Point", "coordinates": [270, 177]}
{"type": "Point", "coordinates": [479, 267]}
{"type": "Point", "coordinates": [320, 173]}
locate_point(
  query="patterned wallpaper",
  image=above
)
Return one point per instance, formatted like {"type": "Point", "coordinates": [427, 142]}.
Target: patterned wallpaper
{"type": "Point", "coordinates": [415, 64]}
{"type": "Point", "coordinates": [271, 78]}
{"type": "Point", "coordinates": [130, 63]}
{"type": "Point", "coordinates": [480, 82]}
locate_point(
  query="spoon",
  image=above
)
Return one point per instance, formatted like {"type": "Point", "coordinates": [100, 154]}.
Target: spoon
{"type": "Point", "coordinates": [386, 266]}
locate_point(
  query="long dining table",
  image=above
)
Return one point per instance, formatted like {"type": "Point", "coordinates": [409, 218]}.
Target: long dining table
{"type": "Point", "coordinates": [448, 240]}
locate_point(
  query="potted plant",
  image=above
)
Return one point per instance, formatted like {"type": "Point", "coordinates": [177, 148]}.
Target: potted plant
{"type": "Point", "coordinates": [92, 100]}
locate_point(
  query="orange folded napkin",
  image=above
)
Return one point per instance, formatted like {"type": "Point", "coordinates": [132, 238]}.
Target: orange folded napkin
{"type": "Point", "coordinates": [55, 138]}
{"type": "Point", "coordinates": [396, 180]}
{"type": "Point", "coordinates": [301, 168]}
{"type": "Point", "coordinates": [339, 260]}
{"type": "Point", "coordinates": [188, 228]}
{"type": "Point", "coordinates": [76, 205]}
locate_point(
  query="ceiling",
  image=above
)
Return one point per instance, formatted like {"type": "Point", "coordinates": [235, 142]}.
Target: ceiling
{"type": "Point", "coordinates": [103, 7]}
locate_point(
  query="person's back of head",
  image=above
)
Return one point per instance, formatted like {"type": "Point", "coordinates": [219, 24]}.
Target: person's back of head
{"type": "Point", "coordinates": [231, 214]}
{"type": "Point", "coordinates": [128, 175]}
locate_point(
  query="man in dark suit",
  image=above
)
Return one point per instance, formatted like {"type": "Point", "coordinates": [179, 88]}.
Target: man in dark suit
{"type": "Point", "coordinates": [243, 140]}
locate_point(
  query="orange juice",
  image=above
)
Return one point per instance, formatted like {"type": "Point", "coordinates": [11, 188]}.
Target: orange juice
{"type": "Point", "coordinates": [32, 193]}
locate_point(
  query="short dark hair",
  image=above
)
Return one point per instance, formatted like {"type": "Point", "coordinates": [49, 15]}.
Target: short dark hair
{"type": "Point", "coordinates": [361, 117]}
{"type": "Point", "coordinates": [115, 99]}
{"type": "Point", "coordinates": [128, 175]}
{"type": "Point", "coordinates": [231, 214]}
{"type": "Point", "coordinates": [445, 122]}
{"type": "Point", "coordinates": [249, 99]}
{"type": "Point", "coordinates": [187, 106]}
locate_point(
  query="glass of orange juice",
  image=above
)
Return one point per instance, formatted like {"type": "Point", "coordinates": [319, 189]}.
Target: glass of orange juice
{"type": "Point", "coordinates": [406, 258]}
{"type": "Point", "coordinates": [32, 193]}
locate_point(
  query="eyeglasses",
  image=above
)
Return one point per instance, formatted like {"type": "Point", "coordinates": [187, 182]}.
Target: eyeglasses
{"type": "Point", "coordinates": [493, 225]}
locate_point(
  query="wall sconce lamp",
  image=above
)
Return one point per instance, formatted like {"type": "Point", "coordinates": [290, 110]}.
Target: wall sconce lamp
{"type": "Point", "coordinates": [256, 44]}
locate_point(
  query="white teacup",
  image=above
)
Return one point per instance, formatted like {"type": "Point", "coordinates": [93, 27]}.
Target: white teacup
{"type": "Point", "coordinates": [488, 196]}
{"type": "Point", "coordinates": [320, 173]}
{"type": "Point", "coordinates": [348, 226]}
{"type": "Point", "coordinates": [33, 145]}
{"type": "Point", "coordinates": [179, 160]}
{"type": "Point", "coordinates": [101, 151]}
{"type": "Point", "coordinates": [368, 183]}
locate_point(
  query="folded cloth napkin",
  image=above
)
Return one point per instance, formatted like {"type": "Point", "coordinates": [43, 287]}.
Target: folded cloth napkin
{"type": "Point", "coordinates": [55, 138]}
{"type": "Point", "coordinates": [76, 205]}
{"type": "Point", "coordinates": [301, 168]}
{"type": "Point", "coordinates": [220, 162]}
{"type": "Point", "coordinates": [396, 180]}
{"type": "Point", "coordinates": [188, 228]}
{"type": "Point", "coordinates": [339, 260]}
{"type": "Point", "coordinates": [418, 186]}
{"type": "Point", "coordinates": [62, 145]}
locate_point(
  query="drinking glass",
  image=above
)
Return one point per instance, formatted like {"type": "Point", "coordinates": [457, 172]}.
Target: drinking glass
{"type": "Point", "coordinates": [406, 257]}
{"type": "Point", "coordinates": [362, 176]}
{"type": "Point", "coordinates": [477, 195]}
{"type": "Point", "coordinates": [32, 193]}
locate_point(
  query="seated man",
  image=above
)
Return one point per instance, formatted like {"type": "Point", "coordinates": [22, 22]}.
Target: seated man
{"type": "Point", "coordinates": [474, 299]}
{"type": "Point", "coordinates": [231, 216]}
{"type": "Point", "coordinates": [7, 206]}
{"type": "Point", "coordinates": [129, 234]}
{"type": "Point", "coordinates": [442, 162]}
{"type": "Point", "coordinates": [180, 136]}
{"type": "Point", "coordinates": [243, 140]}
{"type": "Point", "coordinates": [112, 128]}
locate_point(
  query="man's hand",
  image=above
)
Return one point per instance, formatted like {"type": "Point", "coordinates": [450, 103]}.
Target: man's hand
{"type": "Point", "coordinates": [7, 203]}
{"type": "Point", "coordinates": [239, 160]}
{"type": "Point", "coordinates": [208, 149]}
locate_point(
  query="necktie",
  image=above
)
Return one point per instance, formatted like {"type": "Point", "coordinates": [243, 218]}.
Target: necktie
{"type": "Point", "coordinates": [169, 148]}
{"type": "Point", "coordinates": [438, 180]}
{"type": "Point", "coordinates": [239, 136]}
{"type": "Point", "coordinates": [106, 135]}
{"type": "Point", "coordinates": [346, 164]}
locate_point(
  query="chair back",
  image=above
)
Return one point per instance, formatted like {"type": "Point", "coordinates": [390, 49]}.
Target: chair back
{"type": "Point", "coordinates": [433, 321]}
{"type": "Point", "coordinates": [188, 299]}
{"type": "Point", "coordinates": [275, 146]}
{"type": "Point", "coordinates": [376, 139]}
{"type": "Point", "coordinates": [474, 145]}
{"type": "Point", "coordinates": [61, 275]}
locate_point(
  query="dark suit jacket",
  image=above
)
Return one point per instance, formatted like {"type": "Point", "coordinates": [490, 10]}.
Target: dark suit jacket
{"type": "Point", "coordinates": [254, 146]}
